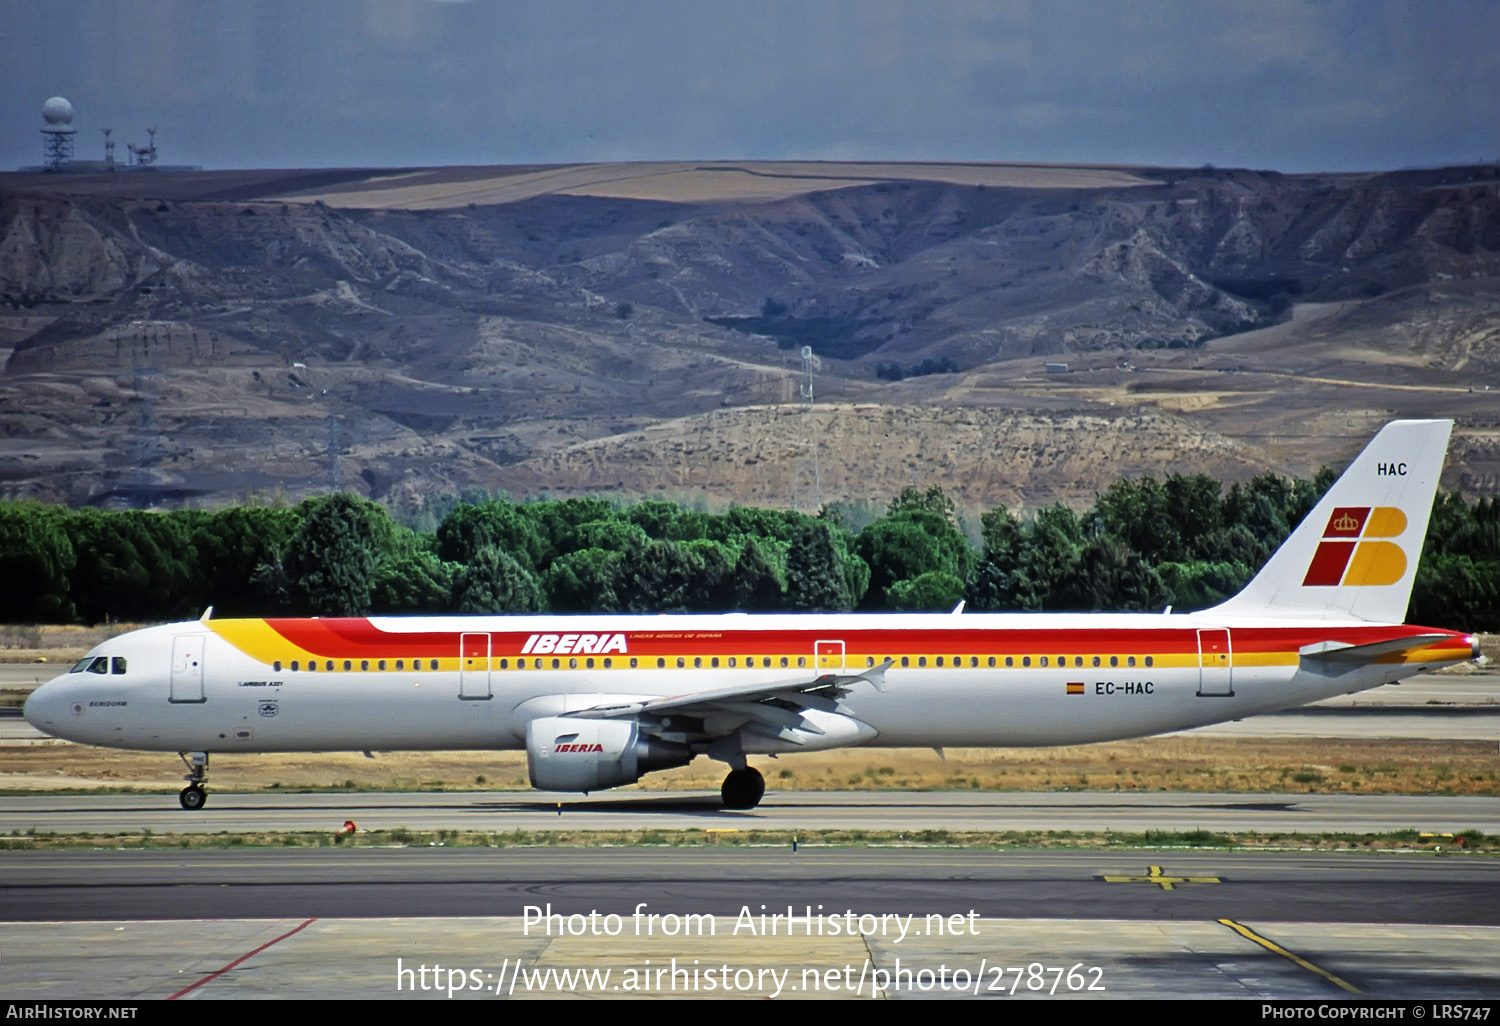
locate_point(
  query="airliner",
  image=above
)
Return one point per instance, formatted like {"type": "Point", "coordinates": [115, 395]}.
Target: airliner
{"type": "Point", "coordinates": [599, 701]}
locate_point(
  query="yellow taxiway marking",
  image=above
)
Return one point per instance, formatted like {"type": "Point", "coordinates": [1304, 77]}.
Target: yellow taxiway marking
{"type": "Point", "coordinates": [1154, 875]}
{"type": "Point", "coordinates": [1270, 945]}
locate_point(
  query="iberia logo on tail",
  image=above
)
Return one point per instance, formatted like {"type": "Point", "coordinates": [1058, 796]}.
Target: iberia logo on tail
{"type": "Point", "coordinates": [1348, 555]}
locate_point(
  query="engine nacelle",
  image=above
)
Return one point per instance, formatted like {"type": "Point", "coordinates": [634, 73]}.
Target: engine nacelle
{"type": "Point", "coordinates": [567, 754]}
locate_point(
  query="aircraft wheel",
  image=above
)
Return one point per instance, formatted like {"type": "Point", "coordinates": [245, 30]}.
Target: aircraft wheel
{"type": "Point", "coordinates": [743, 789]}
{"type": "Point", "coordinates": [192, 797]}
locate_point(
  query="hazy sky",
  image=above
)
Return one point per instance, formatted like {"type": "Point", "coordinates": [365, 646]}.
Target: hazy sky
{"type": "Point", "coordinates": [1287, 84]}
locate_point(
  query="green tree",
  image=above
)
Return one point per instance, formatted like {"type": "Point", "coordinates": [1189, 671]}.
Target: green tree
{"type": "Point", "coordinates": [584, 581]}
{"type": "Point", "coordinates": [815, 578]}
{"type": "Point", "coordinates": [36, 562]}
{"type": "Point", "coordinates": [908, 545]}
{"type": "Point", "coordinates": [934, 591]}
{"type": "Point", "coordinates": [414, 581]}
{"type": "Point", "coordinates": [493, 582]}
{"type": "Point", "coordinates": [329, 564]}
{"type": "Point", "coordinates": [757, 586]}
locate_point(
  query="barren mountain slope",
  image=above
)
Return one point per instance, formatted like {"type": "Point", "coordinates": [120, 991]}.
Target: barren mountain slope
{"type": "Point", "coordinates": [197, 338]}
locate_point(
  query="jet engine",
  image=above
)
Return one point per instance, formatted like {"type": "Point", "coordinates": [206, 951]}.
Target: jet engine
{"type": "Point", "coordinates": [566, 754]}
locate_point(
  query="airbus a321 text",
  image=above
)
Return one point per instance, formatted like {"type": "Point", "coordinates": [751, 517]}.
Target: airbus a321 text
{"type": "Point", "coordinates": [598, 701]}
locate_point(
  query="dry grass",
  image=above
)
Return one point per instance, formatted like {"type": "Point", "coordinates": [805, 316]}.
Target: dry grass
{"type": "Point", "coordinates": [1164, 763]}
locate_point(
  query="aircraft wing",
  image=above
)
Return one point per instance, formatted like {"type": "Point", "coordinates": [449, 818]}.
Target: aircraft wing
{"type": "Point", "coordinates": [721, 700]}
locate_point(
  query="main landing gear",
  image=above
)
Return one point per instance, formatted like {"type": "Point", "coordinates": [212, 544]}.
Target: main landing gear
{"type": "Point", "coordinates": [743, 788]}
{"type": "Point", "coordinates": [193, 796]}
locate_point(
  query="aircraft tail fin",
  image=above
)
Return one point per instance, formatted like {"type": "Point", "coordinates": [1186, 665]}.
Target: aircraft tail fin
{"type": "Point", "coordinates": [1355, 555]}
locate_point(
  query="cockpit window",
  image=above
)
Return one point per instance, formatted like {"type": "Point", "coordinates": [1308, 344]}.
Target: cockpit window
{"type": "Point", "coordinates": [117, 664]}
{"type": "Point", "coordinates": [82, 664]}
{"type": "Point", "coordinates": [99, 665]}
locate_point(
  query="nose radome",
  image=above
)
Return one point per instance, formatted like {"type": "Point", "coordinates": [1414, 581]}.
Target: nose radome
{"type": "Point", "coordinates": [43, 707]}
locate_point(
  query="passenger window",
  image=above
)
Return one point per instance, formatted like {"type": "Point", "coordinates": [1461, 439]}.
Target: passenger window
{"type": "Point", "coordinates": [294, 665]}
{"type": "Point", "coordinates": [660, 662]}
{"type": "Point", "coordinates": [588, 663]}
{"type": "Point", "coordinates": [921, 660]}
{"type": "Point", "coordinates": [974, 661]}
{"type": "Point", "coordinates": [401, 664]}
{"type": "Point", "coordinates": [714, 662]}
{"type": "Point", "coordinates": [802, 660]}
{"type": "Point", "coordinates": [1114, 660]}
{"type": "Point", "coordinates": [906, 660]}
{"type": "Point", "coordinates": [1130, 661]}
{"type": "Point", "coordinates": [632, 662]}
{"type": "Point", "coordinates": [117, 665]}
{"type": "Point", "coordinates": [434, 663]}
{"type": "Point", "coordinates": [556, 664]}
{"type": "Point", "coordinates": [783, 661]}
{"type": "Point", "coordinates": [766, 662]}
{"type": "Point", "coordinates": [992, 661]}
{"type": "Point", "coordinates": [328, 665]}
{"type": "Point", "coordinates": [1010, 661]}
{"type": "Point", "coordinates": [869, 660]}
{"type": "Point", "coordinates": [1078, 660]}
{"type": "Point", "coordinates": [1042, 661]}
{"type": "Point", "coordinates": [312, 666]}
{"type": "Point", "coordinates": [572, 663]}
{"type": "Point", "coordinates": [697, 662]}
{"type": "Point", "coordinates": [1096, 660]}
{"type": "Point", "coordinates": [1026, 660]}
{"type": "Point", "coordinates": [348, 665]}
{"type": "Point", "coordinates": [364, 664]}
{"type": "Point", "coordinates": [681, 662]}
{"type": "Point", "coordinates": [608, 662]}
{"type": "Point", "coordinates": [504, 664]}
{"type": "Point", "coordinates": [1148, 660]}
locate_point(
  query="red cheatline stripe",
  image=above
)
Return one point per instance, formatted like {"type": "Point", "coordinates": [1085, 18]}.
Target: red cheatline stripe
{"type": "Point", "coordinates": [237, 961]}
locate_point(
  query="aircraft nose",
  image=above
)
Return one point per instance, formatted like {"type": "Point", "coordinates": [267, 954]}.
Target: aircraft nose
{"type": "Point", "coordinates": [44, 708]}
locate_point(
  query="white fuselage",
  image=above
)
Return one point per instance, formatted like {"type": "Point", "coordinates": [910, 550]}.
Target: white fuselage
{"type": "Point", "coordinates": [229, 686]}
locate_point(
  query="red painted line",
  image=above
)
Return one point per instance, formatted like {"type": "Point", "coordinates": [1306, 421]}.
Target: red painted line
{"type": "Point", "coordinates": [247, 955]}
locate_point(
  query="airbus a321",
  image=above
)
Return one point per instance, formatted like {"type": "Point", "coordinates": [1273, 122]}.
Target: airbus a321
{"type": "Point", "coordinates": [599, 701]}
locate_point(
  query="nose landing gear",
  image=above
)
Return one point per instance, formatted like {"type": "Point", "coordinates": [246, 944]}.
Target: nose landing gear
{"type": "Point", "coordinates": [193, 796]}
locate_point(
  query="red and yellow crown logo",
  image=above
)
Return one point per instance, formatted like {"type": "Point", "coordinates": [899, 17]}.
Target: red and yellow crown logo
{"type": "Point", "coordinates": [1346, 555]}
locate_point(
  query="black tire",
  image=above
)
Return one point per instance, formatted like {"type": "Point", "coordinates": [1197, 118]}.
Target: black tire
{"type": "Point", "coordinates": [743, 789]}
{"type": "Point", "coordinates": [192, 797]}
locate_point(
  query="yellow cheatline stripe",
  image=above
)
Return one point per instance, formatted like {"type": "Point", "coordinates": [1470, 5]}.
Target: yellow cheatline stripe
{"type": "Point", "coordinates": [1270, 945]}
{"type": "Point", "coordinates": [257, 639]}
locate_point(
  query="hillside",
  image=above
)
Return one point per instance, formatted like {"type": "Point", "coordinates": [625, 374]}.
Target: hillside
{"type": "Point", "coordinates": [635, 329]}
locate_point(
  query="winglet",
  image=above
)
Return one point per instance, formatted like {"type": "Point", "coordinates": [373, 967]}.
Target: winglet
{"type": "Point", "coordinates": [876, 676]}
{"type": "Point", "coordinates": [208, 614]}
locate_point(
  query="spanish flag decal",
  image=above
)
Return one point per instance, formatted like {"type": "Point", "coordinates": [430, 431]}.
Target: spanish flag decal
{"type": "Point", "coordinates": [1347, 555]}
{"type": "Point", "coordinates": [1075, 688]}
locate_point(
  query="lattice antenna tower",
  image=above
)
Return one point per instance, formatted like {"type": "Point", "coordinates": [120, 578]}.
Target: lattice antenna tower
{"type": "Point", "coordinates": [148, 436]}
{"type": "Point", "coordinates": [335, 448]}
{"type": "Point", "coordinates": [808, 475]}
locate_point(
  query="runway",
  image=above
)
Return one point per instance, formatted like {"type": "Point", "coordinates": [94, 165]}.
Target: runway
{"type": "Point", "coordinates": [334, 923]}
{"type": "Point", "coordinates": [380, 923]}
{"type": "Point", "coordinates": [809, 811]}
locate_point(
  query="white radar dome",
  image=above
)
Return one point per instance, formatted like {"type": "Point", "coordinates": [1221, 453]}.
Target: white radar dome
{"type": "Point", "coordinates": [57, 111]}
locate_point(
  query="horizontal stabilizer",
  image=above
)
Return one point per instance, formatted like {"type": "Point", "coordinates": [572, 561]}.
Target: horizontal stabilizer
{"type": "Point", "coordinates": [1343, 652]}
